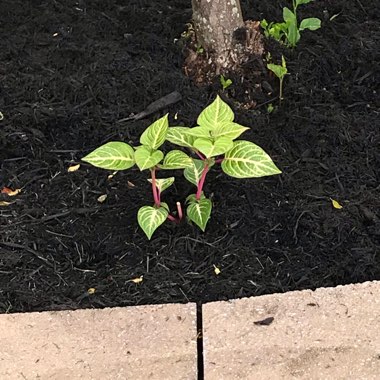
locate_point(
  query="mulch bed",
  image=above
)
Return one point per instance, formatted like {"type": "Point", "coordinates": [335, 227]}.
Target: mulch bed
{"type": "Point", "coordinates": [69, 70]}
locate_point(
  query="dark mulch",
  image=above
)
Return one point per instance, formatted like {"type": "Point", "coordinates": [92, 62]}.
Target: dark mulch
{"type": "Point", "coordinates": [70, 69]}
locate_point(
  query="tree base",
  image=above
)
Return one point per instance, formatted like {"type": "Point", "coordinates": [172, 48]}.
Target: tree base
{"type": "Point", "coordinates": [248, 46]}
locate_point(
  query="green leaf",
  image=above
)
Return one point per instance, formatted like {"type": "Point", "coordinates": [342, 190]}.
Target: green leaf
{"type": "Point", "coordinates": [199, 212]}
{"type": "Point", "coordinates": [221, 145]}
{"type": "Point", "coordinates": [192, 198]}
{"type": "Point", "coordinates": [147, 158]}
{"type": "Point", "coordinates": [229, 129]}
{"type": "Point", "coordinates": [216, 113]}
{"type": "Point", "coordinates": [225, 82]}
{"type": "Point", "coordinates": [264, 23]}
{"type": "Point", "coordinates": [114, 155]}
{"type": "Point", "coordinates": [278, 70]}
{"type": "Point", "coordinates": [155, 135]}
{"type": "Point", "coordinates": [289, 16]}
{"type": "Point", "coordinates": [193, 174]}
{"type": "Point", "coordinates": [198, 132]}
{"type": "Point", "coordinates": [293, 35]}
{"type": "Point", "coordinates": [310, 23]}
{"type": "Point", "coordinates": [150, 218]}
{"type": "Point", "coordinates": [163, 183]}
{"type": "Point", "coordinates": [278, 30]}
{"type": "Point", "coordinates": [176, 159]}
{"type": "Point", "coordinates": [247, 160]}
{"type": "Point", "coordinates": [299, 2]}
{"type": "Point", "coordinates": [179, 136]}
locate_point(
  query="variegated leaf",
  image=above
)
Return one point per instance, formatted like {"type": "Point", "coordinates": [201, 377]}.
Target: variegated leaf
{"type": "Point", "coordinates": [247, 160]}
{"type": "Point", "coordinates": [194, 172]}
{"type": "Point", "coordinates": [220, 146]}
{"type": "Point", "coordinates": [146, 158]}
{"type": "Point", "coordinates": [155, 135]}
{"type": "Point", "coordinates": [176, 159]}
{"type": "Point", "coordinates": [114, 155]}
{"type": "Point", "coordinates": [229, 129]}
{"type": "Point", "coordinates": [150, 218]}
{"type": "Point", "coordinates": [178, 136]}
{"type": "Point", "coordinates": [216, 113]}
{"type": "Point", "coordinates": [198, 132]}
{"type": "Point", "coordinates": [199, 212]}
{"type": "Point", "coordinates": [163, 183]}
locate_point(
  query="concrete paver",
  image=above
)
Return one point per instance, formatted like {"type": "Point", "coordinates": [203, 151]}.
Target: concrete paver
{"type": "Point", "coordinates": [144, 342]}
{"type": "Point", "coordinates": [327, 334]}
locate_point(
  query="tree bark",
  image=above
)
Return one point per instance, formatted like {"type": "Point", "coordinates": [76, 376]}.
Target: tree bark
{"type": "Point", "coordinates": [215, 22]}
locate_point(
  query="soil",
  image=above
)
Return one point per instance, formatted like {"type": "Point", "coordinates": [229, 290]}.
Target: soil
{"type": "Point", "coordinates": [71, 69]}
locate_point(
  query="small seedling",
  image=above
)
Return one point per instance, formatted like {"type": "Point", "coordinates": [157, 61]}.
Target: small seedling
{"type": "Point", "coordinates": [280, 71]}
{"type": "Point", "coordinates": [212, 142]}
{"type": "Point", "coordinates": [200, 49]}
{"type": "Point", "coordinates": [289, 32]}
{"type": "Point", "coordinates": [225, 82]}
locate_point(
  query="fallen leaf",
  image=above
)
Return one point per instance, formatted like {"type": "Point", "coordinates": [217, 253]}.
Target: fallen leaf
{"type": "Point", "coordinates": [10, 192]}
{"type": "Point", "coordinates": [111, 176]}
{"type": "Point", "coordinates": [4, 203]}
{"type": "Point", "coordinates": [102, 198]}
{"type": "Point", "coordinates": [264, 322]}
{"type": "Point", "coordinates": [91, 290]}
{"type": "Point", "coordinates": [73, 168]}
{"type": "Point", "coordinates": [216, 270]}
{"type": "Point", "coordinates": [336, 204]}
{"type": "Point", "coordinates": [137, 280]}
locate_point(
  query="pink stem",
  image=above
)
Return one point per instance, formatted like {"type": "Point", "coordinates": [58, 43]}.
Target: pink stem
{"type": "Point", "coordinates": [156, 194]}
{"type": "Point", "coordinates": [200, 155]}
{"type": "Point", "coordinates": [219, 160]}
{"type": "Point", "coordinates": [201, 183]}
{"type": "Point", "coordinates": [179, 209]}
{"type": "Point", "coordinates": [172, 218]}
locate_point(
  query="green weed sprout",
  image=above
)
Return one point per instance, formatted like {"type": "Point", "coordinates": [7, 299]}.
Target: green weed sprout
{"type": "Point", "coordinates": [280, 71]}
{"type": "Point", "coordinates": [225, 82]}
{"type": "Point", "coordinates": [289, 32]}
{"type": "Point", "coordinates": [212, 142]}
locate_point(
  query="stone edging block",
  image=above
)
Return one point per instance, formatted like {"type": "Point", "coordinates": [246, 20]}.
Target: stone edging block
{"type": "Point", "coordinates": [143, 342]}
{"type": "Point", "coordinates": [327, 334]}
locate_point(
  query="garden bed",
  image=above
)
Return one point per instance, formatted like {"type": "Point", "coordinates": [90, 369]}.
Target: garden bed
{"type": "Point", "coordinates": [71, 69]}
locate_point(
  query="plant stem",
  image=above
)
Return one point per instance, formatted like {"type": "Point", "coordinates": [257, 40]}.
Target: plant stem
{"type": "Point", "coordinates": [156, 194]}
{"type": "Point", "coordinates": [179, 209]}
{"type": "Point", "coordinates": [201, 183]}
{"type": "Point", "coordinates": [180, 214]}
{"type": "Point", "coordinates": [219, 160]}
{"type": "Point", "coordinates": [172, 218]}
{"type": "Point", "coordinates": [200, 155]}
{"type": "Point", "coordinates": [281, 81]}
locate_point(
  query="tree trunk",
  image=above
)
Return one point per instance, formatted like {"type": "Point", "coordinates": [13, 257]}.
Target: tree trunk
{"type": "Point", "coordinates": [217, 23]}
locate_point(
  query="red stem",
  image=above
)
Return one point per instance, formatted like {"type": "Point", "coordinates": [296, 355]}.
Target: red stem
{"type": "Point", "coordinates": [172, 218]}
{"type": "Point", "coordinates": [156, 194]}
{"type": "Point", "coordinates": [200, 155]}
{"type": "Point", "coordinates": [219, 160]}
{"type": "Point", "coordinates": [180, 214]}
{"type": "Point", "coordinates": [201, 183]}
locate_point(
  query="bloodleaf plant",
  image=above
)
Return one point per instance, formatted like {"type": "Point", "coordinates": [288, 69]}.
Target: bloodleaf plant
{"type": "Point", "coordinates": [212, 142]}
